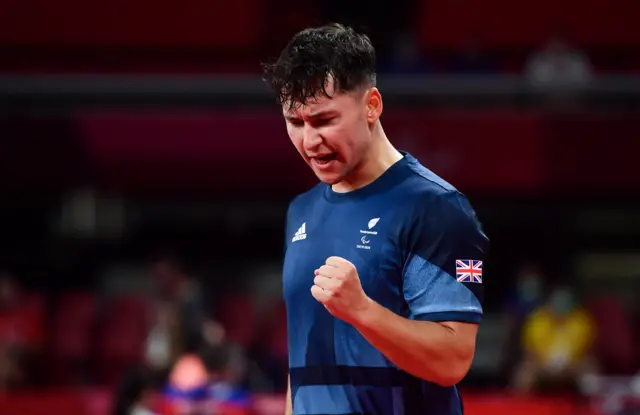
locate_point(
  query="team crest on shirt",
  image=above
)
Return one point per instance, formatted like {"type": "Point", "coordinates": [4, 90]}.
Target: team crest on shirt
{"type": "Point", "coordinates": [365, 238]}
{"type": "Point", "coordinates": [469, 270]}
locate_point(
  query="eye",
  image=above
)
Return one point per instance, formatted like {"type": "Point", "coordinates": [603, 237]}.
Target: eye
{"type": "Point", "coordinates": [324, 121]}
{"type": "Point", "coordinates": [296, 122]}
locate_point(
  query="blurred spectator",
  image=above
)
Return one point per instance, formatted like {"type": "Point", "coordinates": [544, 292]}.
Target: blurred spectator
{"type": "Point", "coordinates": [528, 292]}
{"type": "Point", "coordinates": [187, 390]}
{"type": "Point", "coordinates": [179, 316]}
{"type": "Point", "coordinates": [227, 366]}
{"type": "Point", "coordinates": [135, 394]}
{"type": "Point", "coordinates": [526, 297]}
{"type": "Point", "coordinates": [207, 381]}
{"type": "Point", "coordinates": [161, 341]}
{"type": "Point", "coordinates": [558, 67]}
{"type": "Point", "coordinates": [21, 333]}
{"type": "Point", "coordinates": [557, 340]}
{"type": "Point", "coordinates": [179, 329]}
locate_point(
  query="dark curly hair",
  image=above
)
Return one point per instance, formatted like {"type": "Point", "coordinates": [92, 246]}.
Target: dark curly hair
{"type": "Point", "coordinates": [315, 55]}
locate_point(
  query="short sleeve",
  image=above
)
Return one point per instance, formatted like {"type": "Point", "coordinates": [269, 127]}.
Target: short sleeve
{"type": "Point", "coordinates": [286, 236]}
{"type": "Point", "coordinates": [443, 272]}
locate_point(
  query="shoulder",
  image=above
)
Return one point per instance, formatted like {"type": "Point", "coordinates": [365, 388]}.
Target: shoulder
{"type": "Point", "coordinates": [438, 220]}
{"type": "Point", "coordinates": [306, 199]}
{"type": "Point", "coordinates": [433, 200]}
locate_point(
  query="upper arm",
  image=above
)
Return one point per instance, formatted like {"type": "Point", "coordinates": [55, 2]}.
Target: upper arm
{"type": "Point", "coordinates": [461, 329]}
{"type": "Point", "coordinates": [444, 237]}
{"type": "Point", "coordinates": [466, 334]}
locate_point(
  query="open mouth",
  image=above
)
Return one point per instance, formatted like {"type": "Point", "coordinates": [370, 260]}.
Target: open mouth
{"type": "Point", "coordinates": [326, 158]}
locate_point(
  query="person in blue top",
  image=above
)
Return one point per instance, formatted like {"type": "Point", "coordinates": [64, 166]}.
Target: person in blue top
{"type": "Point", "coordinates": [383, 267]}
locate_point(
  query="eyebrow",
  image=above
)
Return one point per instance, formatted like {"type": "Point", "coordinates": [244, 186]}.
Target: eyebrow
{"type": "Point", "coordinates": [318, 114]}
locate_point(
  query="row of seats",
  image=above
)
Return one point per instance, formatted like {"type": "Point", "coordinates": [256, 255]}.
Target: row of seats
{"type": "Point", "coordinates": [244, 23]}
{"type": "Point", "coordinates": [106, 337]}
{"type": "Point", "coordinates": [94, 339]}
{"type": "Point", "coordinates": [120, 23]}
{"type": "Point", "coordinates": [504, 23]}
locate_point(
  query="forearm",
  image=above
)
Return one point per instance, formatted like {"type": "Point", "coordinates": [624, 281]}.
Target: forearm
{"type": "Point", "coordinates": [428, 350]}
{"type": "Point", "coordinates": [288, 410]}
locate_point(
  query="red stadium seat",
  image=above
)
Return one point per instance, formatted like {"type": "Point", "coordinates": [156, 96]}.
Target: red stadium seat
{"type": "Point", "coordinates": [615, 346]}
{"type": "Point", "coordinates": [74, 36]}
{"type": "Point", "coordinates": [191, 23]}
{"type": "Point", "coordinates": [73, 324]}
{"type": "Point", "coordinates": [130, 307]}
{"type": "Point", "coordinates": [276, 336]}
{"type": "Point", "coordinates": [237, 316]}
{"type": "Point", "coordinates": [122, 337]}
{"type": "Point", "coordinates": [72, 334]}
{"type": "Point", "coordinates": [504, 23]}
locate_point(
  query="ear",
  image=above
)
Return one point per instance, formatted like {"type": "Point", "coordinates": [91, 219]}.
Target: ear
{"type": "Point", "coordinates": [373, 100]}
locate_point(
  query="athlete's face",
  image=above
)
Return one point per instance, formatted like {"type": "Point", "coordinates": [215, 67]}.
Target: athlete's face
{"type": "Point", "coordinates": [334, 134]}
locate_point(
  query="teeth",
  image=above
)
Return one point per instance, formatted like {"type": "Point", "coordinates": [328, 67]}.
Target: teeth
{"type": "Point", "coordinates": [325, 158]}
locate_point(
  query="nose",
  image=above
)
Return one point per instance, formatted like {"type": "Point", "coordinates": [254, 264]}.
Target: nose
{"type": "Point", "coordinates": [311, 138]}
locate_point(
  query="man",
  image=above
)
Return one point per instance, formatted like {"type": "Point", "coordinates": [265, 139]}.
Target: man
{"type": "Point", "coordinates": [557, 339]}
{"type": "Point", "coordinates": [383, 266]}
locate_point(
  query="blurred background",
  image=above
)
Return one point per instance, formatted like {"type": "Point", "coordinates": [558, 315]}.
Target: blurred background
{"type": "Point", "coordinates": [145, 173]}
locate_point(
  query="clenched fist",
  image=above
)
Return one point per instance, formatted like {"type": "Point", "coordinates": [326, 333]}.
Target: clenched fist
{"type": "Point", "coordinates": [337, 286]}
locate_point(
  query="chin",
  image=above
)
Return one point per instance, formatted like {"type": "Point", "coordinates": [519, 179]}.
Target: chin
{"type": "Point", "coordinates": [329, 178]}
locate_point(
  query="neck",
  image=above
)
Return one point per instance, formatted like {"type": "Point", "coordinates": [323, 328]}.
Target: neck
{"type": "Point", "coordinates": [380, 156]}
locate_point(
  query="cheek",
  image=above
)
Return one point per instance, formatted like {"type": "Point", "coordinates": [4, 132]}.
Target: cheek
{"type": "Point", "coordinates": [348, 141]}
{"type": "Point", "coordinates": [339, 137]}
{"type": "Point", "coordinates": [296, 140]}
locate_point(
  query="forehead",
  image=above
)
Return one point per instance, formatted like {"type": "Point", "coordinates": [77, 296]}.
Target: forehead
{"type": "Point", "coordinates": [336, 102]}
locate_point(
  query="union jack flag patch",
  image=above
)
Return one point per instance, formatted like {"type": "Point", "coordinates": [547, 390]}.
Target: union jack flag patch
{"type": "Point", "coordinates": [468, 270]}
